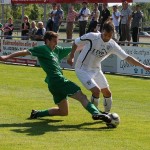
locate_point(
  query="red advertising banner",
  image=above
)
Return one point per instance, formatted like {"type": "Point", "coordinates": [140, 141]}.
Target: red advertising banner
{"type": "Point", "coordinates": [67, 1]}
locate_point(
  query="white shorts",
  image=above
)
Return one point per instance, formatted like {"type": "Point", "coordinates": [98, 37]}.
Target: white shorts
{"type": "Point", "coordinates": [92, 78]}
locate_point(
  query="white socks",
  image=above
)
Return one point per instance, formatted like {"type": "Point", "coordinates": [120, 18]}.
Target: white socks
{"type": "Point", "coordinates": [107, 104]}
{"type": "Point", "coordinates": [95, 101]}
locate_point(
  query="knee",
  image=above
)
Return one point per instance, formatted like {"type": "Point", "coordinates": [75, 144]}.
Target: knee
{"type": "Point", "coordinates": [96, 92]}
{"type": "Point", "coordinates": [64, 113]}
{"type": "Point", "coordinates": [106, 92]}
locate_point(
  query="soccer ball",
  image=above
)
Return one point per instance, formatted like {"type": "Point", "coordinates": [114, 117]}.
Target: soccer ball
{"type": "Point", "coordinates": [115, 120]}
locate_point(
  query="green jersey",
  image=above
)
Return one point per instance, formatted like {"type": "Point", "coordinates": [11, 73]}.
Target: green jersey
{"type": "Point", "coordinates": [50, 60]}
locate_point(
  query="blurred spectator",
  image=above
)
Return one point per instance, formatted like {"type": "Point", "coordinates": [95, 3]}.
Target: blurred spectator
{"type": "Point", "coordinates": [71, 16]}
{"type": "Point", "coordinates": [25, 28]}
{"type": "Point", "coordinates": [116, 17]}
{"type": "Point", "coordinates": [8, 29]}
{"type": "Point", "coordinates": [58, 17]}
{"type": "Point", "coordinates": [49, 25]}
{"type": "Point", "coordinates": [104, 16]}
{"type": "Point", "coordinates": [137, 16]}
{"type": "Point", "coordinates": [40, 32]}
{"type": "Point", "coordinates": [84, 13]}
{"type": "Point", "coordinates": [94, 19]}
{"type": "Point", "coordinates": [126, 15]}
{"type": "Point", "coordinates": [33, 30]}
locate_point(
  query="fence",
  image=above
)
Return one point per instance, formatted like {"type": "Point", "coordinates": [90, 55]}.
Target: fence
{"type": "Point", "coordinates": [112, 64]}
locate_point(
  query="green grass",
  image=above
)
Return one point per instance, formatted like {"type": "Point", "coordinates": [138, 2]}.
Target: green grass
{"type": "Point", "coordinates": [22, 88]}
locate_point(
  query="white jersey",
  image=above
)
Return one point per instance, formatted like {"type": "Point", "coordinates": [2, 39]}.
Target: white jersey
{"type": "Point", "coordinates": [95, 50]}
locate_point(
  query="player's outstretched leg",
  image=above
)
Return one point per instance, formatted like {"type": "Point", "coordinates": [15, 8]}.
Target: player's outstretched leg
{"type": "Point", "coordinates": [60, 110]}
{"type": "Point", "coordinates": [91, 108]}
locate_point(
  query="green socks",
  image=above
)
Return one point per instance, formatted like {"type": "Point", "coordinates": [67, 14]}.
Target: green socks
{"type": "Point", "coordinates": [43, 113]}
{"type": "Point", "coordinates": [92, 109]}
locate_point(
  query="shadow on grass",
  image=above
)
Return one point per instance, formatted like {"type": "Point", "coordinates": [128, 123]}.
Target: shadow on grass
{"type": "Point", "coordinates": [41, 126]}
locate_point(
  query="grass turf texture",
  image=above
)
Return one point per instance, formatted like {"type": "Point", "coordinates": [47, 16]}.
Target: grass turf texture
{"type": "Point", "coordinates": [22, 89]}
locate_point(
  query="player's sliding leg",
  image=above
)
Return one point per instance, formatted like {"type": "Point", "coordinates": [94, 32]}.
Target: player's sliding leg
{"type": "Point", "coordinates": [61, 110]}
{"type": "Point", "coordinates": [91, 108]}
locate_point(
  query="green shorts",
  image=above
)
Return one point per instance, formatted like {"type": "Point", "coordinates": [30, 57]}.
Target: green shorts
{"type": "Point", "coordinates": [62, 88]}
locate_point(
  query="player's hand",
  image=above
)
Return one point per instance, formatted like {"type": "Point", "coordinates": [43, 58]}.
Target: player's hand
{"type": "Point", "coordinates": [70, 60]}
{"type": "Point", "coordinates": [146, 67]}
{"type": "Point", "coordinates": [3, 58]}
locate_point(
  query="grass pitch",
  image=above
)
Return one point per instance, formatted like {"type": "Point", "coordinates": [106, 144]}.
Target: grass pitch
{"type": "Point", "coordinates": [22, 89]}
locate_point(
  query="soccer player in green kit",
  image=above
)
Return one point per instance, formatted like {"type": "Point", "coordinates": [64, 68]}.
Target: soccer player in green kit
{"type": "Point", "coordinates": [49, 56]}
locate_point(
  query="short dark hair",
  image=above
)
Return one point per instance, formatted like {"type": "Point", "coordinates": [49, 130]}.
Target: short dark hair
{"type": "Point", "coordinates": [96, 4]}
{"type": "Point", "coordinates": [115, 6]}
{"type": "Point", "coordinates": [53, 4]}
{"type": "Point", "coordinates": [49, 35]}
{"type": "Point", "coordinates": [108, 26]}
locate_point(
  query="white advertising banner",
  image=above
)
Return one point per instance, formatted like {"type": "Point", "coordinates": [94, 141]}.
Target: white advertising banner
{"type": "Point", "coordinates": [5, 1]}
{"type": "Point", "coordinates": [141, 1]}
{"type": "Point", "coordinates": [141, 54]}
{"type": "Point", "coordinates": [11, 46]}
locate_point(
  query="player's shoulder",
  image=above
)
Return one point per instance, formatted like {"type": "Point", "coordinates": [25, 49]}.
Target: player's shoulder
{"type": "Point", "coordinates": [59, 47]}
{"type": "Point", "coordinates": [112, 41]}
{"type": "Point", "coordinates": [93, 35]}
{"type": "Point", "coordinates": [39, 47]}
{"type": "Point", "coordinates": [42, 46]}
{"type": "Point", "coordinates": [114, 44]}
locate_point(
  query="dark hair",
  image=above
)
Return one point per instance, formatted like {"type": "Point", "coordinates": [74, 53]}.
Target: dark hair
{"type": "Point", "coordinates": [108, 26]}
{"type": "Point", "coordinates": [49, 35]}
{"type": "Point", "coordinates": [115, 6]}
{"type": "Point", "coordinates": [53, 4]}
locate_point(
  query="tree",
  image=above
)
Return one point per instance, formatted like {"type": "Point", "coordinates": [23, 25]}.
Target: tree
{"type": "Point", "coordinates": [35, 14]}
{"type": "Point", "coordinates": [15, 11]}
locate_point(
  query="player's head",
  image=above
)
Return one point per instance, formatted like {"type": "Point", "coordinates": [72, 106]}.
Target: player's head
{"type": "Point", "coordinates": [107, 31]}
{"type": "Point", "coordinates": [51, 39]}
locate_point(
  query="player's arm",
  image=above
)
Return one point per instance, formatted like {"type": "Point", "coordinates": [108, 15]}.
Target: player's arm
{"type": "Point", "coordinates": [70, 59]}
{"type": "Point", "coordinates": [135, 62]}
{"type": "Point", "coordinates": [15, 54]}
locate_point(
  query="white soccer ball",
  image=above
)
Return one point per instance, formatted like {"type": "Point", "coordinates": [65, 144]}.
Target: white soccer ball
{"type": "Point", "coordinates": [115, 120]}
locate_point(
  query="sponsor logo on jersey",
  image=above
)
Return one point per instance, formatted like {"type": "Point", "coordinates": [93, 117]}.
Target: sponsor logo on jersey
{"type": "Point", "coordinates": [89, 82]}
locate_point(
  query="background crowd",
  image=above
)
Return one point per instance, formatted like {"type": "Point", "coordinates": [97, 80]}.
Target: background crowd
{"type": "Point", "coordinates": [127, 22]}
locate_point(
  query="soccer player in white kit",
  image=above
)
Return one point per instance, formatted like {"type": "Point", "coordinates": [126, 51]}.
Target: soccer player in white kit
{"type": "Point", "coordinates": [97, 47]}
